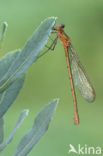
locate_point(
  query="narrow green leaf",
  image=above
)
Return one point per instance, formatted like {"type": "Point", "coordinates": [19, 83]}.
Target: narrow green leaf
{"type": "Point", "coordinates": [29, 53]}
{"type": "Point", "coordinates": [1, 130]}
{"type": "Point", "coordinates": [40, 126]}
{"type": "Point", "coordinates": [10, 94]}
{"type": "Point", "coordinates": [7, 61]}
{"type": "Point", "coordinates": [3, 30]}
{"type": "Point", "coordinates": [22, 116]}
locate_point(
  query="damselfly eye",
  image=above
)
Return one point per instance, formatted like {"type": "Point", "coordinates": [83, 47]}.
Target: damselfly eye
{"type": "Point", "coordinates": [62, 25]}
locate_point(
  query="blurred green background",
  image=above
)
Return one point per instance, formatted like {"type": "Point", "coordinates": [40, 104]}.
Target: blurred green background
{"type": "Point", "coordinates": [48, 77]}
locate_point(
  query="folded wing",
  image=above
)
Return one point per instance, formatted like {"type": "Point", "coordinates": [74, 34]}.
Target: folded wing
{"type": "Point", "coordinates": [79, 76]}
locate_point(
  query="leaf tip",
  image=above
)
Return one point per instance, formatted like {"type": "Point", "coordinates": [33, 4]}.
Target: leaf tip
{"type": "Point", "coordinates": [26, 111]}
{"type": "Point", "coordinates": [55, 102]}
{"type": "Point", "coordinates": [5, 24]}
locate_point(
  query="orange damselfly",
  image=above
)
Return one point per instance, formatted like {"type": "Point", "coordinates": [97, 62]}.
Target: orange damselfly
{"type": "Point", "coordinates": [76, 71]}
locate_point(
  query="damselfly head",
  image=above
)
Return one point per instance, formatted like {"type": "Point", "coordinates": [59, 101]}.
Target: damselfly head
{"type": "Point", "coordinates": [59, 27]}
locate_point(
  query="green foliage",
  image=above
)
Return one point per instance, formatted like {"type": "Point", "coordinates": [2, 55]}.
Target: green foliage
{"type": "Point", "coordinates": [25, 57]}
{"type": "Point", "coordinates": [10, 94]}
{"type": "Point", "coordinates": [1, 130]}
{"type": "Point", "coordinates": [13, 68]}
{"type": "Point", "coordinates": [39, 127]}
{"type": "Point", "coordinates": [22, 116]}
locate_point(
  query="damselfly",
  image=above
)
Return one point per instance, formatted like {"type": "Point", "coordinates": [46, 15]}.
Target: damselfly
{"type": "Point", "coordinates": [76, 71]}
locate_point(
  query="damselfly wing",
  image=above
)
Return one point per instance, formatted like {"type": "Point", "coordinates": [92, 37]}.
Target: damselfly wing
{"type": "Point", "coordinates": [80, 78]}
